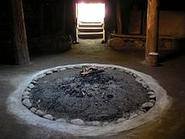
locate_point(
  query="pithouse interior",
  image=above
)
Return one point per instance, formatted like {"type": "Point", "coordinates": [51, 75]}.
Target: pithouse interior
{"type": "Point", "coordinates": [92, 69]}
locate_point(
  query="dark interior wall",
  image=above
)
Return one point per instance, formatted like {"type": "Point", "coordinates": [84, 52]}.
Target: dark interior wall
{"type": "Point", "coordinates": [32, 17]}
{"type": "Point", "coordinates": [172, 23]}
{"type": "Point", "coordinates": [126, 7]}
{"type": "Point", "coordinates": [172, 18]}
{"type": "Point", "coordinates": [70, 18]}
{"type": "Point", "coordinates": [110, 18]}
{"type": "Point", "coordinates": [47, 25]}
{"type": "Point", "coordinates": [6, 49]}
{"type": "Point", "coordinates": [172, 5]}
{"type": "Point", "coordinates": [134, 16]}
{"type": "Point", "coordinates": [129, 19]}
{"type": "Point", "coordinates": [5, 21]}
{"type": "Point", "coordinates": [44, 17]}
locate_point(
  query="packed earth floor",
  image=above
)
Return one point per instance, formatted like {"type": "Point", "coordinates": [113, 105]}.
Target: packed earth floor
{"type": "Point", "coordinates": [170, 75]}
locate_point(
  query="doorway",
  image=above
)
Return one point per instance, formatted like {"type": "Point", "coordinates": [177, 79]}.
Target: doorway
{"type": "Point", "coordinates": [90, 21]}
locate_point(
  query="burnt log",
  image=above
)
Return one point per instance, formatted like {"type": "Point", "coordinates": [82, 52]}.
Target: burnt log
{"type": "Point", "coordinates": [90, 70]}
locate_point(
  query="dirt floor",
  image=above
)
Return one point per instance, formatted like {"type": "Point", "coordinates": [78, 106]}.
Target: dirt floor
{"type": "Point", "coordinates": [170, 75]}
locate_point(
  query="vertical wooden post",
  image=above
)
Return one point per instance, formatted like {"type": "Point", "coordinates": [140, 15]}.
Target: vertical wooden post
{"type": "Point", "coordinates": [119, 17]}
{"type": "Point", "coordinates": [19, 30]}
{"type": "Point", "coordinates": [152, 37]}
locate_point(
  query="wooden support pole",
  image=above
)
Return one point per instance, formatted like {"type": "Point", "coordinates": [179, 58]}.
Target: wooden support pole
{"type": "Point", "coordinates": [19, 33]}
{"type": "Point", "coordinates": [152, 37]}
{"type": "Point", "coordinates": [119, 17]}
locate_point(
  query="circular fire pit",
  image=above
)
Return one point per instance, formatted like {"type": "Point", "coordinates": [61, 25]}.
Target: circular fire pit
{"type": "Point", "coordinates": [101, 98]}
{"type": "Point", "coordinates": [88, 93]}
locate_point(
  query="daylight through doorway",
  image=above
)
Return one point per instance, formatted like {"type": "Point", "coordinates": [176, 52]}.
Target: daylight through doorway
{"type": "Point", "coordinates": [91, 12]}
{"type": "Point", "coordinates": [90, 21]}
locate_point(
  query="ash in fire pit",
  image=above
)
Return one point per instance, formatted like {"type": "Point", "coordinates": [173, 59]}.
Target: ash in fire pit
{"type": "Point", "coordinates": [88, 93]}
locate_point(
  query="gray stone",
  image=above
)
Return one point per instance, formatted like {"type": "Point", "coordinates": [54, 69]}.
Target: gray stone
{"type": "Point", "coordinates": [150, 93]}
{"type": "Point", "coordinates": [40, 113]}
{"type": "Point", "coordinates": [126, 71]}
{"type": "Point", "coordinates": [49, 72]}
{"type": "Point", "coordinates": [139, 112]}
{"type": "Point", "coordinates": [134, 75]}
{"type": "Point", "coordinates": [25, 96]}
{"type": "Point", "coordinates": [33, 109]}
{"type": "Point", "coordinates": [94, 123]}
{"type": "Point", "coordinates": [55, 70]}
{"type": "Point", "coordinates": [144, 85]}
{"type": "Point", "coordinates": [31, 86]}
{"type": "Point", "coordinates": [61, 120]}
{"type": "Point", "coordinates": [152, 97]}
{"type": "Point", "coordinates": [147, 105]}
{"type": "Point", "coordinates": [26, 93]}
{"type": "Point", "coordinates": [27, 103]}
{"type": "Point", "coordinates": [28, 89]}
{"type": "Point", "coordinates": [133, 115]}
{"type": "Point", "coordinates": [35, 79]}
{"type": "Point", "coordinates": [34, 82]}
{"type": "Point", "coordinates": [62, 69]}
{"type": "Point", "coordinates": [120, 120]}
{"type": "Point", "coordinates": [49, 117]}
{"type": "Point", "coordinates": [152, 101]}
{"type": "Point", "coordinates": [139, 80]}
{"type": "Point", "coordinates": [77, 122]}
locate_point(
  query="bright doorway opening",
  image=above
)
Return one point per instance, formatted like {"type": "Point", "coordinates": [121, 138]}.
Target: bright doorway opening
{"type": "Point", "coordinates": [90, 21]}
{"type": "Point", "coordinates": [90, 12]}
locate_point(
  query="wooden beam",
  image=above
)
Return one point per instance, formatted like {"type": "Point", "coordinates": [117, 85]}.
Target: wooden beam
{"type": "Point", "coordinates": [152, 37]}
{"type": "Point", "coordinates": [119, 17]}
{"type": "Point", "coordinates": [19, 33]}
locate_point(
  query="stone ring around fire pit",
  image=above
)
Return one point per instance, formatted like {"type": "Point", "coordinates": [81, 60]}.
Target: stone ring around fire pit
{"type": "Point", "coordinates": [109, 98]}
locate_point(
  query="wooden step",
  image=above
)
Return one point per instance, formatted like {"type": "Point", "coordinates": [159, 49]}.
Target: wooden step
{"type": "Point", "coordinates": [83, 22]}
{"type": "Point", "coordinates": [90, 35]}
{"type": "Point", "coordinates": [90, 25]}
{"type": "Point", "coordinates": [90, 29]}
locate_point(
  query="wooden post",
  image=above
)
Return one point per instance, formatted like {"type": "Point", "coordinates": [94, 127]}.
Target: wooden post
{"type": "Point", "coordinates": [119, 17]}
{"type": "Point", "coordinates": [19, 32]}
{"type": "Point", "coordinates": [152, 37]}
